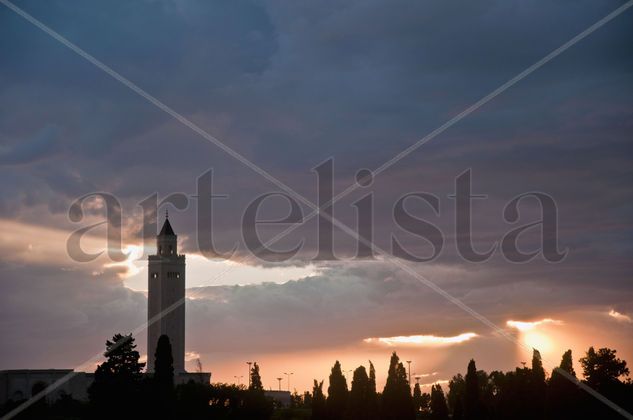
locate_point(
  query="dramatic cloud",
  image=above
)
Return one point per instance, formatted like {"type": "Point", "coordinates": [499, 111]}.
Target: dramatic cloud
{"type": "Point", "coordinates": [620, 317]}
{"type": "Point", "coordinates": [288, 85]}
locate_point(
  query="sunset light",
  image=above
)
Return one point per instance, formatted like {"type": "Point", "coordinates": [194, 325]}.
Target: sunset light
{"type": "Point", "coordinates": [619, 316]}
{"type": "Point", "coordinates": [530, 325]}
{"type": "Point", "coordinates": [326, 210]}
{"type": "Point", "coordinates": [423, 340]}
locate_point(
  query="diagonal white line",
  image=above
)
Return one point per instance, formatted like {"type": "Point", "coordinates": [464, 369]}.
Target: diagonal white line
{"type": "Point", "coordinates": [290, 191]}
{"type": "Point", "coordinates": [474, 107]}
{"type": "Point", "coordinates": [466, 112]}
{"type": "Point", "coordinates": [525, 73]}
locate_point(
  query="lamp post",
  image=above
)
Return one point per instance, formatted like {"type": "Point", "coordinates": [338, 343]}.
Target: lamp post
{"type": "Point", "coordinates": [279, 380]}
{"type": "Point", "coordinates": [409, 363]}
{"type": "Point", "coordinates": [288, 375]}
{"type": "Point", "coordinates": [417, 379]}
{"type": "Point", "coordinates": [239, 379]}
{"type": "Point", "coordinates": [249, 373]}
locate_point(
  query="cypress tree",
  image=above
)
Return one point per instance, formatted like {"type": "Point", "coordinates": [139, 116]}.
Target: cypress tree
{"type": "Point", "coordinates": [472, 404]}
{"type": "Point", "coordinates": [359, 395]}
{"type": "Point", "coordinates": [337, 393]}
{"type": "Point", "coordinates": [563, 395]}
{"type": "Point", "coordinates": [163, 381]}
{"type": "Point", "coordinates": [567, 363]}
{"type": "Point", "coordinates": [439, 409]}
{"type": "Point", "coordinates": [372, 397]}
{"type": "Point", "coordinates": [417, 398]}
{"type": "Point", "coordinates": [537, 385]}
{"type": "Point", "coordinates": [164, 364]}
{"type": "Point", "coordinates": [397, 402]}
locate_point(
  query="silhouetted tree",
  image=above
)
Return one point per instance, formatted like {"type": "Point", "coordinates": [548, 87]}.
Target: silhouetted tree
{"type": "Point", "coordinates": [337, 393]}
{"type": "Point", "coordinates": [372, 395]}
{"type": "Point", "coordinates": [256, 379]}
{"type": "Point", "coordinates": [372, 377]}
{"type": "Point", "coordinates": [455, 396]}
{"type": "Point", "coordinates": [538, 386]}
{"type": "Point", "coordinates": [397, 402]}
{"type": "Point", "coordinates": [511, 394]}
{"type": "Point", "coordinates": [602, 369]}
{"type": "Point", "coordinates": [256, 404]}
{"type": "Point", "coordinates": [417, 398]}
{"type": "Point", "coordinates": [162, 385]}
{"type": "Point", "coordinates": [117, 381]}
{"type": "Point", "coordinates": [164, 364]}
{"type": "Point", "coordinates": [425, 403]}
{"type": "Point", "coordinates": [319, 409]}
{"type": "Point", "coordinates": [567, 363]}
{"type": "Point", "coordinates": [563, 396]}
{"type": "Point", "coordinates": [439, 409]}
{"type": "Point", "coordinates": [472, 403]}
{"type": "Point", "coordinates": [359, 396]}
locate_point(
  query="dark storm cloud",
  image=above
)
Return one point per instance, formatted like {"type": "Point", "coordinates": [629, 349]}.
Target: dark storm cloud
{"type": "Point", "coordinates": [59, 318]}
{"type": "Point", "coordinates": [289, 84]}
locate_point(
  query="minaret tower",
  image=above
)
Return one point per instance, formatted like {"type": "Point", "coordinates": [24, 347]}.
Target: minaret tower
{"type": "Point", "coordinates": [166, 297]}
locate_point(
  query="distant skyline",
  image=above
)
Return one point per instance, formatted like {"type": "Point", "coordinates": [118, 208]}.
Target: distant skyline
{"type": "Point", "coordinates": [290, 85]}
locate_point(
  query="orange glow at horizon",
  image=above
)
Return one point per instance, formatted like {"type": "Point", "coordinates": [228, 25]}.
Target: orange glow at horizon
{"type": "Point", "coordinates": [422, 340]}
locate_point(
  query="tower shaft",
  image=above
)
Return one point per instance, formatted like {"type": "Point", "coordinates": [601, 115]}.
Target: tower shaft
{"type": "Point", "coordinates": [166, 298]}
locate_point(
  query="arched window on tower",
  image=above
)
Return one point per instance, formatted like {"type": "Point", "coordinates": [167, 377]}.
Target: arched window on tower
{"type": "Point", "coordinates": [171, 250]}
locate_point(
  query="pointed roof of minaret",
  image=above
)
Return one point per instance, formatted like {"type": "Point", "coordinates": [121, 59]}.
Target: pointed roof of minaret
{"type": "Point", "coordinates": [166, 230]}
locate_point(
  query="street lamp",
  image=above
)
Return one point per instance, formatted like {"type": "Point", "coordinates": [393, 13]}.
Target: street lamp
{"type": "Point", "coordinates": [249, 373]}
{"type": "Point", "coordinates": [409, 363]}
{"type": "Point", "coordinates": [279, 380]}
{"type": "Point", "coordinates": [288, 375]}
{"type": "Point", "coordinates": [417, 379]}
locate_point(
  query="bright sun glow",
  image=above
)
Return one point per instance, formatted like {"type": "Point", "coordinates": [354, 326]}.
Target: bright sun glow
{"type": "Point", "coordinates": [422, 340]}
{"type": "Point", "coordinates": [538, 341]}
{"type": "Point", "coordinates": [530, 325]}
{"type": "Point", "coordinates": [133, 253]}
{"type": "Point", "coordinates": [531, 333]}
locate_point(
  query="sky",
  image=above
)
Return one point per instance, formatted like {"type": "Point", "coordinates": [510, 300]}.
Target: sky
{"type": "Point", "coordinates": [290, 85]}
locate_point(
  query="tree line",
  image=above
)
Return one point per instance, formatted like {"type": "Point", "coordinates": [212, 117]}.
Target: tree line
{"type": "Point", "coordinates": [525, 393]}
{"type": "Point", "coordinates": [121, 390]}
